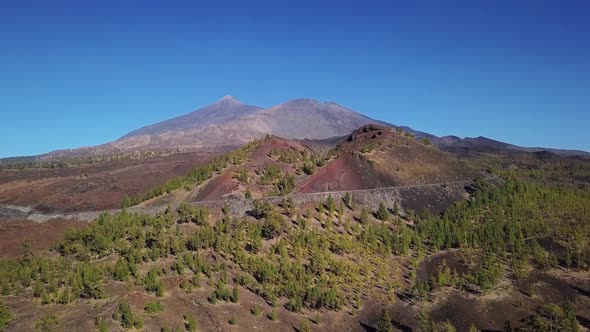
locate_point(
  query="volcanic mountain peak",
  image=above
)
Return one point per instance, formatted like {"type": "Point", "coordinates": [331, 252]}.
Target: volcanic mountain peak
{"type": "Point", "coordinates": [230, 103]}
{"type": "Point", "coordinates": [312, 105]}
{"type": "Point", "coordinates": [226, 109]}
{"type": "Point", "coordinates": [229, 98]}
{"type": "Point", "coordinates": [308, 118]}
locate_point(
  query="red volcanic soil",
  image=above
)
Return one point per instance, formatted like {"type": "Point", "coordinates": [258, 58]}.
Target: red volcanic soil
{"type": "Point", "coordinates": [92, 187]}
{"type": "Point", "coordinates": [344, 173]}
{"type": "Point", "coordinates": [14, 232]}
{"type": "Point", "coordinates": [376, 156]}
{"type": "Point", "coordinates": [259, 159]}
{"type": "Point", "coordinates": [217, 187]}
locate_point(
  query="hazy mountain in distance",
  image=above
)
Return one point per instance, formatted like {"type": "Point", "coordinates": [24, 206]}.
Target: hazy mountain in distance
{"type": "Point", "coordinates": [228, 122]}
{"type": "Point", "coordinates": [226, 109]}
{"type": "Point", "coordinates": [480, 144]}
{"type": "Point", "coordinates": [308, 118]}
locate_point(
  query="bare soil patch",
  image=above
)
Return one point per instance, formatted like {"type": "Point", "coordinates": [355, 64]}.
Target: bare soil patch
{"type": "Point", "coordinates": [92, 187]}
{"type": "Point", "coordinates": [40, 236]}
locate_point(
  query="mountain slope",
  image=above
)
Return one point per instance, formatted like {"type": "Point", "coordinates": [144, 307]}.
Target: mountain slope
{"type": "Point", "coordinates": [376, 156]}
{"type": "Point", "coordinates": [306, 118]}
{"type": "Point", "coordinates": [475, 145]}
{"type": "Point", "coordinates": [226, 109]}
{"type": "Point", "coordinates": [231, 123]}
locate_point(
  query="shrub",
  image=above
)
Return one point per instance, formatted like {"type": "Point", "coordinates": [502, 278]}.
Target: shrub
{"type": "Point", "coordinates": [5, 316]}
{"type": "Point", "coordinates": [121, 271]}
{"type": "Point", "coordinates": [383, 213]}
{"type": "Point", "coordinates": [47, 323]}
{"type": "Point", "coordinates": [256, 311]}
{"type": "Point", "coordinates": [309, 167]}
{"type": "Point", "coordinates": [125, 316]}
{"type": "Point", "coordinates": [235, 297]}
{"type": "Point", "coordinates": [384, 323]}
{"type": "Point", "coordinates": [274, 316]}
{"type": "Point", "coordinates": [304, 327]}
{"type": "Point", "coordinates": [190, 323]}
{"type": "Point", "coordinates": [153, 283]}
{"type": "Point", "coordinates": [101, 324]}
{"type": "Point", "coordinates": [364, 216]}
{"type": "Point", "coordinates": [273, 226]}
{"type": "Point", "coordinates": [153, 307]}
{"type": "Point", "coordinates": [261, 209]}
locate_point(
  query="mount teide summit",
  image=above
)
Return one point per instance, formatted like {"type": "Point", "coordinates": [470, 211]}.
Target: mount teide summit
{"type": "Point", "coordinates": [224, 110]}
{"type": "Point", "coordinates": [228, 122]}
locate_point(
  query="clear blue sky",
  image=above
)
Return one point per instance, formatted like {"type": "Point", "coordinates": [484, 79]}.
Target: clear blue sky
{"type": "Point", "coordinates": [86, 72]}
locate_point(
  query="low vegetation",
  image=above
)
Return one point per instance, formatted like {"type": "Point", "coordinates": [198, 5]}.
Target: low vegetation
{"type": "Point", "coordinates": [124, 314]}
{"type": "Point", "coordinates": [325, 257]}
{"type": "Point", "coordinates": [5, 316]}
{"type": "Point", "coordinates": [196, 176]}
{"type": "Point", "coordinates": [153, 307]}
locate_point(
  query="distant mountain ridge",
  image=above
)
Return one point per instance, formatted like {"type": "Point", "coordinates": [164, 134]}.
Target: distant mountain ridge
{"type": "Point", "coordinates": [231, 123]}
{"type": "Point", "coordinates": [482, 144]}
{"type": "Point", "coordinates": [228, 122]}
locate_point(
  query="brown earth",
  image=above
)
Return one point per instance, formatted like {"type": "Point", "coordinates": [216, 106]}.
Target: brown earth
{"type": "Point", "coordinates": [92, 187]}
{"type": "Point", "coordinates": [226, 184]}
{"type": "Point", "coordinates": [217, 188]}
{"type": "Point", "coordinates": [511, 300]}
{"type": "Point", "coordinates": [456, 260]}
{"type": "Point", "coordinates": [344, 173]}
{"type": "Point", "coordinates": [15, 231]}
{"type": "Point", "coordinates": [376, 156]}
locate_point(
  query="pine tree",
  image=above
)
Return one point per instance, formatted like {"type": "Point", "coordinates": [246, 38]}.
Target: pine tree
{"type": "Point", "coordinates": [191, 323]}
{"type": "Point", "coordinates": [121, 271]}
{"type": "Point", "coordinates": [384, 323]}
{"type": "Point", "coordinates": [383, 213]}
{"type": "Point", "coordinates": [235, 295]}
{"type": "Point", "coordinates": [348, 200]}
{"type": "Point", "coordinates": [274, 316]}
{"type": "Point", "coordinates": [364, 219]}
{"type": "Point", "coordinates": [331, 205]}
{"type": "Point", "coordinates": [125, 315]}
{"type": "Point", "coordinates": [5, 316]}
{"type": "Point", "coordinates": [304, 327]}
{"type": "Point", "coordinates": [340, 211]}
{"type": "Point", "coordinates": [47, 323]}
{"type": "Point", "coordinates": [91, 283]}
{"type": "Point", "coordinates": [153, 283]}
{"type": "Point", "coordinates": [424, 322]}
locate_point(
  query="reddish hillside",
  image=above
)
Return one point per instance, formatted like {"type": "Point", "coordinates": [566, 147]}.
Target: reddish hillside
{"type": "Point", "coordinates": [372, 157]}
{"type": "Point", "coordinates": [376, 156]}
{"type": "Point", "coordinates": [279, 155]}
